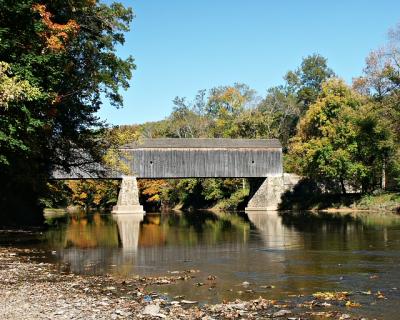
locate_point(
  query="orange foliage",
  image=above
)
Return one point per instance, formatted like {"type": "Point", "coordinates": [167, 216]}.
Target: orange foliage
{"type": "Point", "coordinates": [92, 193]}
{"type": "Point", "coordinates": [57, 34]}
{"type": "Point", "coordinates": [152, 188]}
{"type": "Point", "coordinates": [152, 234]}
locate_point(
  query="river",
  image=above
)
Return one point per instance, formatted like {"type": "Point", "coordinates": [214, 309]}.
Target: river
{"type": "Point", "coordinates": [242, 255]}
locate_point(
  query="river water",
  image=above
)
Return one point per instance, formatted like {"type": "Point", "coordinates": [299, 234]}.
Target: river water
{"type": "Point", "coordinates": [279, 255]}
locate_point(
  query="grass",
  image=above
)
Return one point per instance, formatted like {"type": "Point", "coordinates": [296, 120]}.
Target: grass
{"type": "Point", "coordinates": [384, 201]}
{"type": "Point", "coordinates": [306, 196]}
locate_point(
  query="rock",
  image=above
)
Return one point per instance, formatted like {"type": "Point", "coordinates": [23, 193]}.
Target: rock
{"type": "Point", "coordinates": [122, 313]}
{"type": "Point", "coordinates": [245, 284]}
{"type": "Point", "coordinates": [238, 306]}
{"type": "Point", "coordinates": [163, 281]}
{"type": "Point", "coordinates": [59, 312]}
{"type": "Point", "coordinates": [207, 318]}
{"type": "Point", "coordinates": [151, 310]}
{"type": "Point", "coordinates": [188, 302]}
{"type": "Point", "coordinates": [281, 313]}
{"type": "Point", "coordinates": [366, 292]}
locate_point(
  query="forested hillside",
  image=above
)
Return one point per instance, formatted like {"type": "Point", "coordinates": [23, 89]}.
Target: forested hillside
{"type": "Point", "coordinates": [343, 137]}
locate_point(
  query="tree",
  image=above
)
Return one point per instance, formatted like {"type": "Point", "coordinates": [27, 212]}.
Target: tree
{"type": "Point", "coordinates": [381, 83]}
{"type": "Point", "coordinates": [281, 111]}
{"type": "Point", "coordinates": [67, 51]}
{"type": "Point", "coordinates": [224, 105]}
{"type": "Point", "coordinates": [306, 81]}
{"type": "Point", "coordinates": [341, 140]}
{"type": "Point", "coordinates": [13, 91]}
{"type": "Point", "coordinates": [228, 100]}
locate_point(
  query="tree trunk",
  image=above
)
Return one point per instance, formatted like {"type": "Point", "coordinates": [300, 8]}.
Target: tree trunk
{"type": "Point", "coordinates": [383, 185]}
{"type": "Point", "coordinates": [343, 186]}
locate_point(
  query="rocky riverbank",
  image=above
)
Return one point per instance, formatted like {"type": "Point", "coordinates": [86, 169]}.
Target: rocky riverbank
{"type": "Point", "coordinates": [31, 290]}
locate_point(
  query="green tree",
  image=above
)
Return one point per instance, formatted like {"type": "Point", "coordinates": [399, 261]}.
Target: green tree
{"type": "Point", "coordinates": [281, 111]}
{"type": "Point", "coordinates": [306, 81]}
{"type": "Point", "coordinates": [228, 100]}
{"type": "Point", "coordinates": [224, 105]}
{"type": "Point", "coordinates": [381, 83]}
{"type": "Point", "coordinates": [341, 140]}
{"type": "Point", "coordinates": [67, 51]}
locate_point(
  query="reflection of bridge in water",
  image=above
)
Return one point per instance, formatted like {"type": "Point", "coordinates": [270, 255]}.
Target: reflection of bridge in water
{"type": "Point", "coordinates": [128, 230]}
{"type": "Point", "coordinates": [153, 241]}
{"type": "Point", "coordinates": [297, 253]}
{"type": "Point", "coordinates": [274, 233]}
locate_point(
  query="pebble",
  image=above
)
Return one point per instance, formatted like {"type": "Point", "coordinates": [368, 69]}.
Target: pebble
{"type": "Point", "coordinates": [188, 302]}
{"type": "Point", "coordinates": [26, 289]}
{"type": "Point", "coordinates": [151, 309]}
{"type": "Point", "coordinates": [281, 313]}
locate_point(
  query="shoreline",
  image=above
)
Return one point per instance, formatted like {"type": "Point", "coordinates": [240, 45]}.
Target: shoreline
{"type": "Point", "coordinates": [32, 290]}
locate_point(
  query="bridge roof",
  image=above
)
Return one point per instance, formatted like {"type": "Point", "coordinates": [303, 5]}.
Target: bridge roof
{"type": "Point", "coordinates": [204, 143]}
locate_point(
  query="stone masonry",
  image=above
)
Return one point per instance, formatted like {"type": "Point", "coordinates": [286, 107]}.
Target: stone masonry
{"type": "Point", "coordinates": [128, 197]}
{"type": "Point", "coordinates": [268, 196]}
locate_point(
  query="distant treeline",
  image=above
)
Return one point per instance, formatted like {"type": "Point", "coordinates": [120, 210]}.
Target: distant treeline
{"type": "Point", "coordinates": [344, 138]}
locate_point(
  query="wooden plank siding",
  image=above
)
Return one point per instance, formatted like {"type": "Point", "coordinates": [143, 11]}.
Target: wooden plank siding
{"type": "Point", "coordinates": [207, 163]}
{"type": "Point", "coordinates": [201, 158]}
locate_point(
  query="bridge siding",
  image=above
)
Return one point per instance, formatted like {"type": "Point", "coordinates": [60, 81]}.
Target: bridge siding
{"type": "Point", "coordinates": [184, 158]}
{"type": "Point", "coordinates": [183, 163]}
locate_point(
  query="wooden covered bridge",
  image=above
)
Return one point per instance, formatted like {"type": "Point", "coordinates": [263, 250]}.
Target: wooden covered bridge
{"type": "Point", "coordinates": [198, 158]}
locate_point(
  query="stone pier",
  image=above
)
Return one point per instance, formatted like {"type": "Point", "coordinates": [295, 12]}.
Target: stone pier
{"type": "Point", "coordinates": [128, 197]}
{"type": "Point", "coordinates": [268, 196]}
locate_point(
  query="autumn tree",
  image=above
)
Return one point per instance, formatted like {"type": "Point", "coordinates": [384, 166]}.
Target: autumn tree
{"type": "Point", "coordinates": [66, 50]}
{"type": "Point", "coordinates": [224, 105]}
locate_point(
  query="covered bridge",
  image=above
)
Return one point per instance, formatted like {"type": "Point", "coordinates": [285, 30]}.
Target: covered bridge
{"type": "Point", "coordinates": [191, 158]}
{"type": "Point", "coordinates": [205, 158]}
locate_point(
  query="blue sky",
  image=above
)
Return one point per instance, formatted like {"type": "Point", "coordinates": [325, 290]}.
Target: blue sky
{"type": "Point", "coordinates": [181, 46]}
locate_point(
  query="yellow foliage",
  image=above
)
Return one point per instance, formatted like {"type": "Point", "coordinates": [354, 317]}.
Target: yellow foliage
{"type": "Point", "coordinates": [91, 193]}
{"type": "Point", "coordinates": [13, 89]}
{"type": "Point", "coordinates": [153, 188]}
{"type": "Point", "coordinates": [117, 138]}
